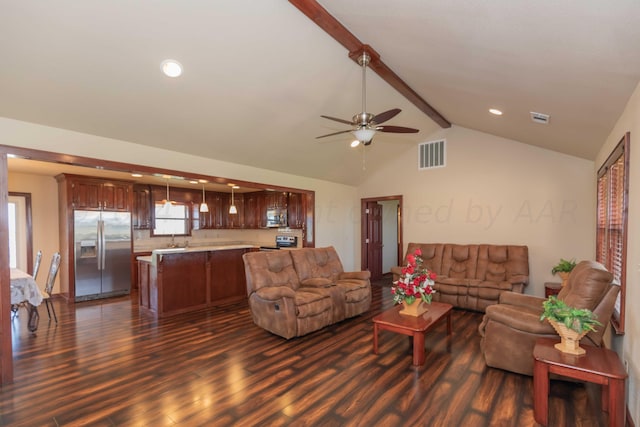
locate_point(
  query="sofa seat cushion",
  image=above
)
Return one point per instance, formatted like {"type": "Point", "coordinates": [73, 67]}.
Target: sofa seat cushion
{"type": "Point", "coordinates": [355, 290]}
{"type": "Point", "coordinates": [311, 303]}
{"type": "Point", "coordinates": [502, 285]}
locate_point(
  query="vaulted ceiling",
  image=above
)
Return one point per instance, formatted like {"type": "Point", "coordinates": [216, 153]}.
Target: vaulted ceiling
{"type": "Point", "coordinates": [259, 74]}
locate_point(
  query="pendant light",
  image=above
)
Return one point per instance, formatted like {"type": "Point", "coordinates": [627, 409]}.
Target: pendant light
{"type": "Point", "coordinates": [232, 209]}
{"type": "Point", "coordinates": [167, 201]}
{"type": "Point", "coordinates": [203, 206]}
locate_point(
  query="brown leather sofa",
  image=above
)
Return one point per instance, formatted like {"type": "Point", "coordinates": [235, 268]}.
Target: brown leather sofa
{"type": "Point", "coordinates": [509, 329]}
{"type": "Point", "coordinates": [473, 276]}
{"type": "Point", "coordinates": [295, 292]}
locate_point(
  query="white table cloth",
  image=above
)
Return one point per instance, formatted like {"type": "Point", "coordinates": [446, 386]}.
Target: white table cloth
{"type": "Point", "coordinates": [24, 288]}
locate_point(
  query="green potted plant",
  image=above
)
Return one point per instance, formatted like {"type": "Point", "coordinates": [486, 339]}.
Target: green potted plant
{"type": "Point", "coordinates": [569, 322]}
{"type": "Point", "coordinates": [563, 268]}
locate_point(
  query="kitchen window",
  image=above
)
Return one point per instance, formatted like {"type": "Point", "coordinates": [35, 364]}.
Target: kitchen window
{"type": "Point", "coordinates": [171, 219]}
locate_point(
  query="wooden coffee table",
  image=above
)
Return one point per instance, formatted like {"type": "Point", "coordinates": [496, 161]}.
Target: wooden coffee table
{"type": "Point", "coordinates": [416, 327]}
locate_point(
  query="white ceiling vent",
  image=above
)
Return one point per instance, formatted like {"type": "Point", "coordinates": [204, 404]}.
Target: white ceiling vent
{"type": "Point", "coordinates": [432, 154]}
{"type": "Point", "coordinates": [539, 118]}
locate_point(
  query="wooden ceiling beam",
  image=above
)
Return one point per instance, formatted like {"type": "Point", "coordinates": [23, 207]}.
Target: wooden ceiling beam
{"type": "Point", "coordinates": [355, 47]}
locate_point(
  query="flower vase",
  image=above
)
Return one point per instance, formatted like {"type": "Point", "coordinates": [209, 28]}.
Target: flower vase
{"type": "Point", "coordinates": [564, 275]}
{"type": "Point", "coordinates": [570, 339]}
{"type": "Point", "coordinates": [416, 308]}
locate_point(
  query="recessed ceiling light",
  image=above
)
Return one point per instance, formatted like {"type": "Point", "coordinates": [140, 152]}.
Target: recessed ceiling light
{"type": "Point", "coordinates": [171, 68]}
{"type": "Point", "coordinates": [355, 143]}
{"type": "Point", "coordinates": [495, 111]}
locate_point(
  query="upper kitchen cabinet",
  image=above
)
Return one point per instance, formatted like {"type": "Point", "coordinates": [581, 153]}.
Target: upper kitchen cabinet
{"type": "Point", "coordinates": [238, 219]}
{"type": "Point", "coordinates": [275, 199]}
{"type": "Point", "coordinates": [141, 214]}
{"type": "Point", "coordinates": [251, 215]}
{"type": "Point", "coordinates": [96, 194]}
{"type": "Point", "coordinates": [296, 211]}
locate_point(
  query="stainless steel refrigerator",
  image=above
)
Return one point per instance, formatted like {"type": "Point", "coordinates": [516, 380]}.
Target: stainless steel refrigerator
{"type": "Point", "coordinates": [102, 242]}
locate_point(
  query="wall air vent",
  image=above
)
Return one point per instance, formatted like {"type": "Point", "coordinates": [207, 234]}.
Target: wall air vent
{"type": "Point", "coordinates": [432, 154]}
{"type": "Point", "coordinates": [539, 118]}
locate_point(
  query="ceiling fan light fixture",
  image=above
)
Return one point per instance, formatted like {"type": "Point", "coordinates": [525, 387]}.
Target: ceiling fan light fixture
{"type": "Point", "coordinates": [355, 143]}
{"type": "Point", "coordinates": [364, 135]}
{"type": "Point", "coordinates": [171, 68]}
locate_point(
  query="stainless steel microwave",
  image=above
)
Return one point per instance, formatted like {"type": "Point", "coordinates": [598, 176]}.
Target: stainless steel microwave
{"type": "Point", "coordinates": [276, 217]}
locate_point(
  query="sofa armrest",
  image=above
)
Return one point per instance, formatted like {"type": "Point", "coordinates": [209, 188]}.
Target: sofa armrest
{"type": "Point", "coordinates": [519, 278]}
{"type": "Point", "coordinates": [274, 293]}
{"type": "Point", "coordinates": [522, 300]}
{"type": "Point", "coordinates": [360, 275]}
{"type": "Point", "coordinates": [317, 282]}
{"type": "Point", "coordinates": [518, 318]}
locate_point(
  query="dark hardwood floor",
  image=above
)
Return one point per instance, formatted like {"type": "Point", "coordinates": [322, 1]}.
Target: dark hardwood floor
{"type": "Point", "coordinates": [108, 364]}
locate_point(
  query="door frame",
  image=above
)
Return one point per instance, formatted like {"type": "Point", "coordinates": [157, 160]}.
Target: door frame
{"type": "Point", "coordinates": [364, 255]}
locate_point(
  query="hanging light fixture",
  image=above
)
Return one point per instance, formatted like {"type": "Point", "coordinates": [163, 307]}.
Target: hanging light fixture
{"type": "Point", "coordinates": [203, 206]}
{"type": "Point", "coordinates": [167, 201]}
{"type": "Point", "coordinates": [232, 209]}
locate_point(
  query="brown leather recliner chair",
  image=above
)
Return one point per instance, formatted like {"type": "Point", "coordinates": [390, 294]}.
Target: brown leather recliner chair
{"type": "Point", "coordinates": [510, 328]}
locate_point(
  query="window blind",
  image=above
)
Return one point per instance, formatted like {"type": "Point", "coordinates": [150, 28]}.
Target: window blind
{"type": "Point", "coordinates": [611, 227]}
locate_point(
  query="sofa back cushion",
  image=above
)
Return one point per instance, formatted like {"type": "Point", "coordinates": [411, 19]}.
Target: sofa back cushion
{"type": "Point", "coordinates": [269, 268]}
{"type": "Point", "coordinates": [313, 263]}
{"type": "Point", "coordinates": [459, 261]}
{"type": "Point", "coordinates": [431, 255]}
{"type": "Point", "coordinates": [587, 285]}
{"type": "Point", "coordinates": [503, 263]}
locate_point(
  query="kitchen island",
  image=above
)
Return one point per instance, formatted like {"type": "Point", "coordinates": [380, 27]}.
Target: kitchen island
{"type": "Point", "coordinates": [178, 280]}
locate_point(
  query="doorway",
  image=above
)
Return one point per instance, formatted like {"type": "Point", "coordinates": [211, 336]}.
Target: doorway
{"type": "Point", "coordinates": [381, 234]}
{"type": "Point", "coordinates": [20, 234]}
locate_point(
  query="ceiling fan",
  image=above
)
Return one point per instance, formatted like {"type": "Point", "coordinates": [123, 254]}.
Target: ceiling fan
{"type": "Point", "coordinates": [365, 125]}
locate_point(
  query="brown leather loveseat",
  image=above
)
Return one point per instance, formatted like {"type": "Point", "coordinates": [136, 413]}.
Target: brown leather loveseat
{"type": "Point", "coordinates": [295, 292]}
{"type": "Point", "coordinates": [473, 276]}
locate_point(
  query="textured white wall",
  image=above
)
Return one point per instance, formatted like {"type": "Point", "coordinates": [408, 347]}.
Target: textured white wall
{"type": "Point", "coordinates": [628, 345]}
{"type": "Point", "coordinates": [498, 191]}
{"type": "Point", "coordinates": [44, 214]}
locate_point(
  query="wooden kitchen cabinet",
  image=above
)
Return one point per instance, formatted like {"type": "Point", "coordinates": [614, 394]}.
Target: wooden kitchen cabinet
{"type": "Point", "coordinates": [141, 213]}
{"type": "Point", "coordinates": [135, 268]}
{"type": "Point", "coordinates": [235, 220]}
{"type": "Point", "coordinates": [251, 216]}
{"type": "Point", "coordinates": [192, 280]}
{"type": "Point", "coordinates": [296, 210]}
{"type": "Point", "coordinates": [226, 276]}
{"type": "Point", "coordinates": [97, 194]}
{"type": "Point", "coordinates": [274, 199]}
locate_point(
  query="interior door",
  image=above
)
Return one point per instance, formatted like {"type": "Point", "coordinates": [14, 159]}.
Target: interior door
{"type": "Point", "coordinates": [374, 236]}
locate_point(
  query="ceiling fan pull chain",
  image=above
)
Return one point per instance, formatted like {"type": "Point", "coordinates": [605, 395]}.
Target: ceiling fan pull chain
{"type": "Point", "coordinates": [364, 166]}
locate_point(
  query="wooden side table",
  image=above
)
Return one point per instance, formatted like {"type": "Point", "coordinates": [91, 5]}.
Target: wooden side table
{"type": "Point", "coordinates": [599, 365]}
{"type": "Point", "coordinates": [551, 288]}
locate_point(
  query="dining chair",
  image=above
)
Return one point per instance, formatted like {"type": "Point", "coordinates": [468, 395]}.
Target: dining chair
{"type": "Point", "coordinates": [48, 289]}
{"type": "Point", "coordinates": [36, 265]}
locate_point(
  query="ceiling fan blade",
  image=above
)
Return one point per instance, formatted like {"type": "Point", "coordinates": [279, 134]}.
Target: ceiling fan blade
{"type": "Point", "coordinates": [383, 117]}
{"type": "Point", "coordinates": [346, 122]}
{"type": "Point", "coordinates": [396, 129]}
{"type": "Point", "coordinates": [331, 134]}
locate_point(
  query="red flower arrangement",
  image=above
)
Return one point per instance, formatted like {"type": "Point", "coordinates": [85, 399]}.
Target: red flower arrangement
{"type": "Point", "coordinates": [415, 282]}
